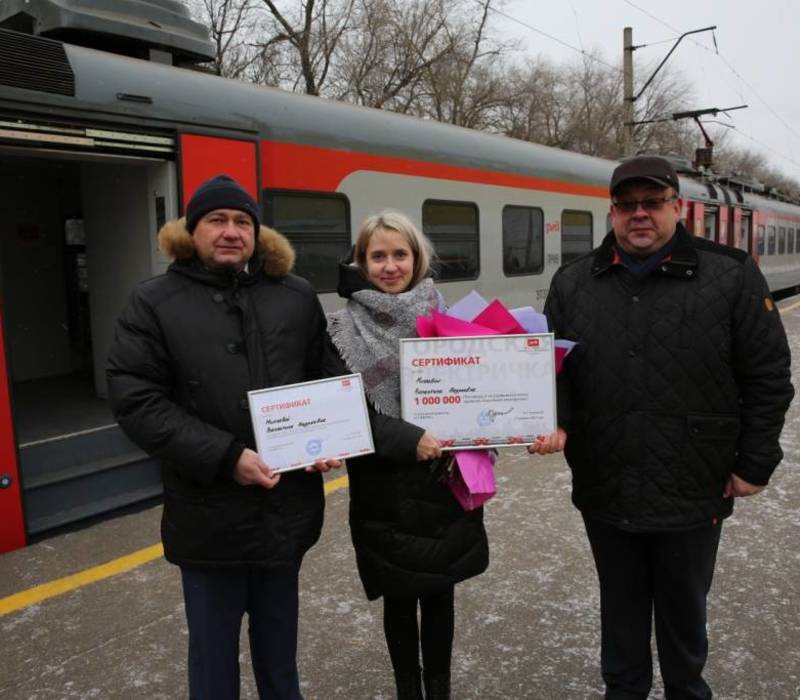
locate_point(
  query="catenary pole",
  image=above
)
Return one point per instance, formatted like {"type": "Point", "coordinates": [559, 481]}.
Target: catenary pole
{"type": "Point", "coordinates": [627, 112]}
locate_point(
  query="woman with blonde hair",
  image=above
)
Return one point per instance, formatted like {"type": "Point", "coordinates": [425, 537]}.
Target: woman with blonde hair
{"type": "Point", "coordinates": [413, 542]}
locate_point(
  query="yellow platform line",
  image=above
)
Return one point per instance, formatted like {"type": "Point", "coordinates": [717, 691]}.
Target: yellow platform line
{"type": "Point", "coordinates": [63, 585]}
{"type": "Point", "coordinates": [336, 484]}
{"type": "Point", "coordinates": [59, 586]}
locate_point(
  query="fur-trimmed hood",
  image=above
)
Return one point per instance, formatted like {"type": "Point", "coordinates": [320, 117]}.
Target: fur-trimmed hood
{"type": "Point", "coordinates": [175, 241]}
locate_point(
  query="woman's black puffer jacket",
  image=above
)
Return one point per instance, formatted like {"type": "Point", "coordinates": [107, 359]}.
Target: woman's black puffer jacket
{"type": "Point", "coordinates": [410, 535]}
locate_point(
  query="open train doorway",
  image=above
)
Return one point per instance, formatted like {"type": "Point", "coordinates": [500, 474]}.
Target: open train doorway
{"type": "Point", "coordinates": [77, 232]}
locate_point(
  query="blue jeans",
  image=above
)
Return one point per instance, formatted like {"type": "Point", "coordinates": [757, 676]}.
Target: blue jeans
{"type": "Point", "coordinates": [216, 600]}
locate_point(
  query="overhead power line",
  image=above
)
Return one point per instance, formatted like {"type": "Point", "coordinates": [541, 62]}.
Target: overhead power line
{"type": "Point", "coordinates": [591, 57]}
{"type": "Point", "coordinates": [580, 51]}
{"type": "Point", "coordinates": [726, 63]}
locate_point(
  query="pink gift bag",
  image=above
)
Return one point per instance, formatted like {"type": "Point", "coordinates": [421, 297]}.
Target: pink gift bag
{"type": "Point", "coordinates": [471, 478]}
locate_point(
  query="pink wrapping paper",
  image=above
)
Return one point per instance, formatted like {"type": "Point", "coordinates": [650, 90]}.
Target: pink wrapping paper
{"type": "Point", "coordinates": [498, 318]}
{"type": "Point", "coordinates": [472, 479]}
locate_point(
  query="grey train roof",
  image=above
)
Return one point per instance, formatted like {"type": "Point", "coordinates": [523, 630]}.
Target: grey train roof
{"type": "Point", "coordinates": [190, 98]}
{"type": "Point", "coordinates": [205, 100]}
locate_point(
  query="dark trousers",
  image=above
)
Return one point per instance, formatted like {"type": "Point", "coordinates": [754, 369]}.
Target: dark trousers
{"type": "Point", "coordinates": [434, 632]}
{"type": "Point", "coordinates": [665, 576]}
{"type": "Point", "coordinates": [216, 600]}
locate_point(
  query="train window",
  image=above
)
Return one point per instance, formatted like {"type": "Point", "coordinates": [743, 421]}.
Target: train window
{"type": "Point", "coordinates": [760, 240]}
{"type": "Point", "coordinates": [770, 240]}
{"type": "Point", "coordinates": [710, 223]}
{"type": "Point", "coordinates": [790, 242]}
{"type": "Point", "coordinates": [781, 240]}
{"type": "Point", "coordinates": [746, 231]}
{"type": "Point", "coordinates": [453, 230]}
{"type": "Point", "coordinates": [576, 234]}
{"type": "Point", "coordinates": [523, 241]}
{"type": "Point", "coordinates": [318, 226]}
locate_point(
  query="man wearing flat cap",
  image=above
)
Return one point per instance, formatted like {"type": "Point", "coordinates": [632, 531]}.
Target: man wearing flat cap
{"type": "Point", "coordinates": [670, 407]}
{"type": "Point", "coordinates": [227, 317]}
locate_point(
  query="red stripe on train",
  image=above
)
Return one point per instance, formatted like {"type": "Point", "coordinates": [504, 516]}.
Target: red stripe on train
{"type": "Point", "coordinates": [294, 166]}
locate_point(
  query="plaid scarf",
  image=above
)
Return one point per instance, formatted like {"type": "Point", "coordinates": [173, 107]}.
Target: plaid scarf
{"type": "Point", "coordinates": [367, 334]}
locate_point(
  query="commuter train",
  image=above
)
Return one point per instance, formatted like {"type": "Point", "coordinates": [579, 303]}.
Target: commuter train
{"type": "Point", "coordinates": [99, 149]}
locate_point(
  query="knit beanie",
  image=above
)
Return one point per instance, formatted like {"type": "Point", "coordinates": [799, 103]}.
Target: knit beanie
{"type": "Point", "coordinates": [220, 192]}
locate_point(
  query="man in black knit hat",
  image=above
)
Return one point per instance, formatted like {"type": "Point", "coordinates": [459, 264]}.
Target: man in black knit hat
{"type": "Point", "coordinates": [671, 406]}
{"type": "Point", "coordinates": [227, 317]}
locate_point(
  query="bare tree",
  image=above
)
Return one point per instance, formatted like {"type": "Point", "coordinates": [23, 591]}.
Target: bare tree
{"type": "Point", "coordinates": [535, 108]}
{"type": "Point", "coordinates": [467, 86]}
{"type": "Point", "coordinates": [578, 106]}
{"type": "Point", "coordinates": [592, 93]}
{"type": "Point", "coordinates": [670, 92]}
{"type": "Point", "coordinates": [229, 23]}
{"type": "Point", "coordinates": [750, 165]}
{"type": "Point", "coordinates": [313, 32]}
{"type": "Point", "coordinates": [396, 42]}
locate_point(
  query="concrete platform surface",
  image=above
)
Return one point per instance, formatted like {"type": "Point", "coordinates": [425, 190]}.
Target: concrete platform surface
{"type": "Point", "coordinates": [528, 628]}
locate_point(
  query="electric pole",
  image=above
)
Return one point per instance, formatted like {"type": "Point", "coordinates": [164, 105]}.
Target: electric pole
{"type": "Point", "coordinates": [628, 97]}
{"type": "Point", "coordinates": [627, 112]}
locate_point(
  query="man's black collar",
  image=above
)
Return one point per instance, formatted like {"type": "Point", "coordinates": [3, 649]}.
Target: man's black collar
{"type": "Point", "coordinates": [217, 277]}
{"type": "Point", "coordinates": [681, 263]}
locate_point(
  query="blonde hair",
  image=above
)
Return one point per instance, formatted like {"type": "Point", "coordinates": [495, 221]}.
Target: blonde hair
{"type": "Point", "coordinates": [419, 243]}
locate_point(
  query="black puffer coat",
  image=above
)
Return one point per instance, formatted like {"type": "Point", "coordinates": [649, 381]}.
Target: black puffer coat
{"type": "Point", "coordinates": [187, 348]}
{"type": "Point", "coordinates": [410, 535]}
{"type": "Point", "coordinates": [679, 379]}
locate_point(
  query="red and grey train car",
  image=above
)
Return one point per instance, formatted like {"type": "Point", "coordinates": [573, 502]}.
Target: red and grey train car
{"type": "Point", "coordinates": [97, 149]}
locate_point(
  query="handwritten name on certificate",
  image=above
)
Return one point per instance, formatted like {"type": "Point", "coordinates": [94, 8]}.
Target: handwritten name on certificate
{"type": "Point", "coordinates": [297, 424]}
{"type": "Point", "coordinates": [484, 391]}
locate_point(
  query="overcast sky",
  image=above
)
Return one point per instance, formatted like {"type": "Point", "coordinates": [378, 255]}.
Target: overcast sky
{"type": "Point", "coordinates": [757, 64]}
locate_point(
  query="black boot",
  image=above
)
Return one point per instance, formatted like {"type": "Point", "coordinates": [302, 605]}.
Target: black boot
{"type": "Point", "coordinates": [437, 686]}
{"type": "Point", "coordinates": [409, 686]}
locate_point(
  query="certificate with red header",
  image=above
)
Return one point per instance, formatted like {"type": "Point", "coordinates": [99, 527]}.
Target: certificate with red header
{"type": "Point", "coordinates": [297, 424]}
{"type": "Point", "coordinates": [480, 391]}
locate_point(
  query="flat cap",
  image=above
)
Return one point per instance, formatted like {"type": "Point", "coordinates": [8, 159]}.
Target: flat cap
{"type": "Point", "coordinates": [653, 168]}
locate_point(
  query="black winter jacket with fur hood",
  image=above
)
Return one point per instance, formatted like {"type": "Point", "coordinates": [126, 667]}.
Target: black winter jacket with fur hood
{"type": "Point", "coordinates": [187, 348]}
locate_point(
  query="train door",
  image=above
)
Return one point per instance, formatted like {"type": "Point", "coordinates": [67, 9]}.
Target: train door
{"type": "Point", "coordinates": [710, 228]}
{"type": "Point", "coordinates": [724, 234]}
{"type": "Point", "coordinates": [695, 218]}
{"type": "Point", "coordinates": [203, 156]}
{"type": "Point", "coordinates": [78, 231]}
{"type": "Point", "coordinates": [743, 229]}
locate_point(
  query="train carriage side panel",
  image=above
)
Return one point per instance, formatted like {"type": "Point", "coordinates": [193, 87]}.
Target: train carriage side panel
{"type": "Point", "coordinates": [372, 181]}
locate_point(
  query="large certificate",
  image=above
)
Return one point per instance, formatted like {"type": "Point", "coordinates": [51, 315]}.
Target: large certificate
{"type": "Point", "coordinates": [483, 391]}
{"type": "Point", "coordinates": [300, 423]}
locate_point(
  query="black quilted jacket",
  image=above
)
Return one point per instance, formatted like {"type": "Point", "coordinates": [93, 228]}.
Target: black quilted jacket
{"type": "Point", "coordinates": [187, 348]}
{"type": "Point", "coordinates": [679, 378]}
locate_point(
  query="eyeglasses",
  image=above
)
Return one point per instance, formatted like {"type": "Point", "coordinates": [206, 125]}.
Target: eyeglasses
{"type": "Point", "coordinates": [649, 204]}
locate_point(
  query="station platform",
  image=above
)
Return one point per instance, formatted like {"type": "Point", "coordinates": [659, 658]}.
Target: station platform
{"type": "Point", "coordinates": [97, 612]}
